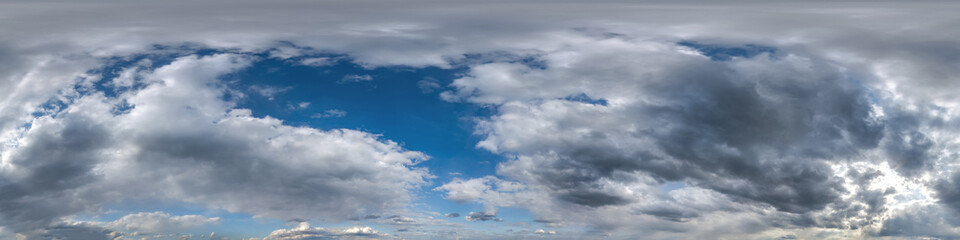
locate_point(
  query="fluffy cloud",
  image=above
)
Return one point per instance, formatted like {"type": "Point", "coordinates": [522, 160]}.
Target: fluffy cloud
{"type": "Point", "coordinates": [604, 123]}
{"type": "Point", "coordinates": [855, 113]}
{"type": "Point", "coordinates": [178, 137]}
{"type": "Point", "coordinates": [304, 232]}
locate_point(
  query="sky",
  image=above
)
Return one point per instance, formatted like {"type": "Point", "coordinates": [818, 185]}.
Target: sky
{"type": "Point", "coordinates": [422, 119]}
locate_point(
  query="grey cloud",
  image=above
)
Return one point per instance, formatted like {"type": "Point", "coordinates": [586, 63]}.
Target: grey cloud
{"type": "Point", "coordinates": [718, 127]}
{"type": "Point", "coordinates": [908, 149]}
{"type": "Point", "coordinates": [298, 220]}
{"type": "Point", "coordinates": [590, 197]}
{"type": "Point", "coordinates": [355, 78]}
{"type": "Point", "coordinates": [922, 221]}
{"type": "Point", "coordinates": [451, 215]}
{"type": "Point", "coordinates": [772, 138]}
{"type": "Point", "coordinates": [54, 164]}
{"type": "Point", "coordinates": [671, 214]}
{"type": "Point", "coordinates": [238, 156]}
{"type": "Point", "coordinates": [948, 191]}
{"type": "Point", "coordinates": [78, 231]}
{"type": "Point", "coordinates": [197, 148]}
{"type": "Point", "coordinates": [482, 216]}
{"type": "Point", "coordinates": [160, 222]}
{"type": "Point", "coordinates": [400, 220]}
{"type": "Point", "coordinates": [765, 131]}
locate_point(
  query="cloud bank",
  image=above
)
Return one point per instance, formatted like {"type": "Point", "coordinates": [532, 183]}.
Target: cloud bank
{"type": "Point", "coordinates": [735, 119]}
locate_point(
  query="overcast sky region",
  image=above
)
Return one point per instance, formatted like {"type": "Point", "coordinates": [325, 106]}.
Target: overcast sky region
{"type": "Point", "coordinates": [423, 119]}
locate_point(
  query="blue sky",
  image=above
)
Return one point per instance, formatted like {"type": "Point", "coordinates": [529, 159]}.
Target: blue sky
{"type": "Point", "coordinates": [296, 120]}
{"type": "Point", "coordinates": [401, 104]}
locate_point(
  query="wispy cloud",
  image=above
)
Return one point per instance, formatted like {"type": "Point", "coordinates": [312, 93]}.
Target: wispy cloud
{"type": "Point", "coordinates": [332, 113]}
{"type": "Point", "coordinates": [355, 78]}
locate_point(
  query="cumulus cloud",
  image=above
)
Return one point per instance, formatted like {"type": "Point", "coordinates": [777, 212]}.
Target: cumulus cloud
{"type": "Point", "coordinates": [687, 122]}
{"type": "Point", "coordinates": [595, 106]}
{"type": "Point", "coordinates": [179, 133]}
{"type": "Point", "coordinates": [545, 232]}
{"type": "Point", "coordinates": [762, 134]}
{"type": "Point", "coordinates": [303, 231]}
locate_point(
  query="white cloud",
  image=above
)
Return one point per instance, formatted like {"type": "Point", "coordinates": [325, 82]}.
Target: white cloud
{"type": "Point", "coordinates": [160, 222]}
{"type": "Point", "coordinates": [301, 105]}
{"type": "Point", "coordinates": [546, 232]}
{"type": "Point", "coordinates": [318, 61]}
{"type": "Point", "coordinates": [180, 135]}
{"type": "Point", "coordinates": [304, 231]}
{"type": "Point", "coordinates": [332, 113]}
{"type": "Point", "coordinates": [621, 52]}
{"type": "Point", "coordinates": [268, 91]}
{"type": "Point", "coordinates": [355, 78]}
{"type": "Point", "coordinates": [668, 115]}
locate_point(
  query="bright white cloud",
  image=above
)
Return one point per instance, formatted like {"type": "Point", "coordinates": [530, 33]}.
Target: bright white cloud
{"type": "Point", "coordinates": [303, 231]}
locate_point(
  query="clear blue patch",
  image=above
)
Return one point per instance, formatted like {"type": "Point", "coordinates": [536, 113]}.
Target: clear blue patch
{"type": "Point", "coordinates": [718, 52]}
{"type": "Point", "coordinates": [391, 104]}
